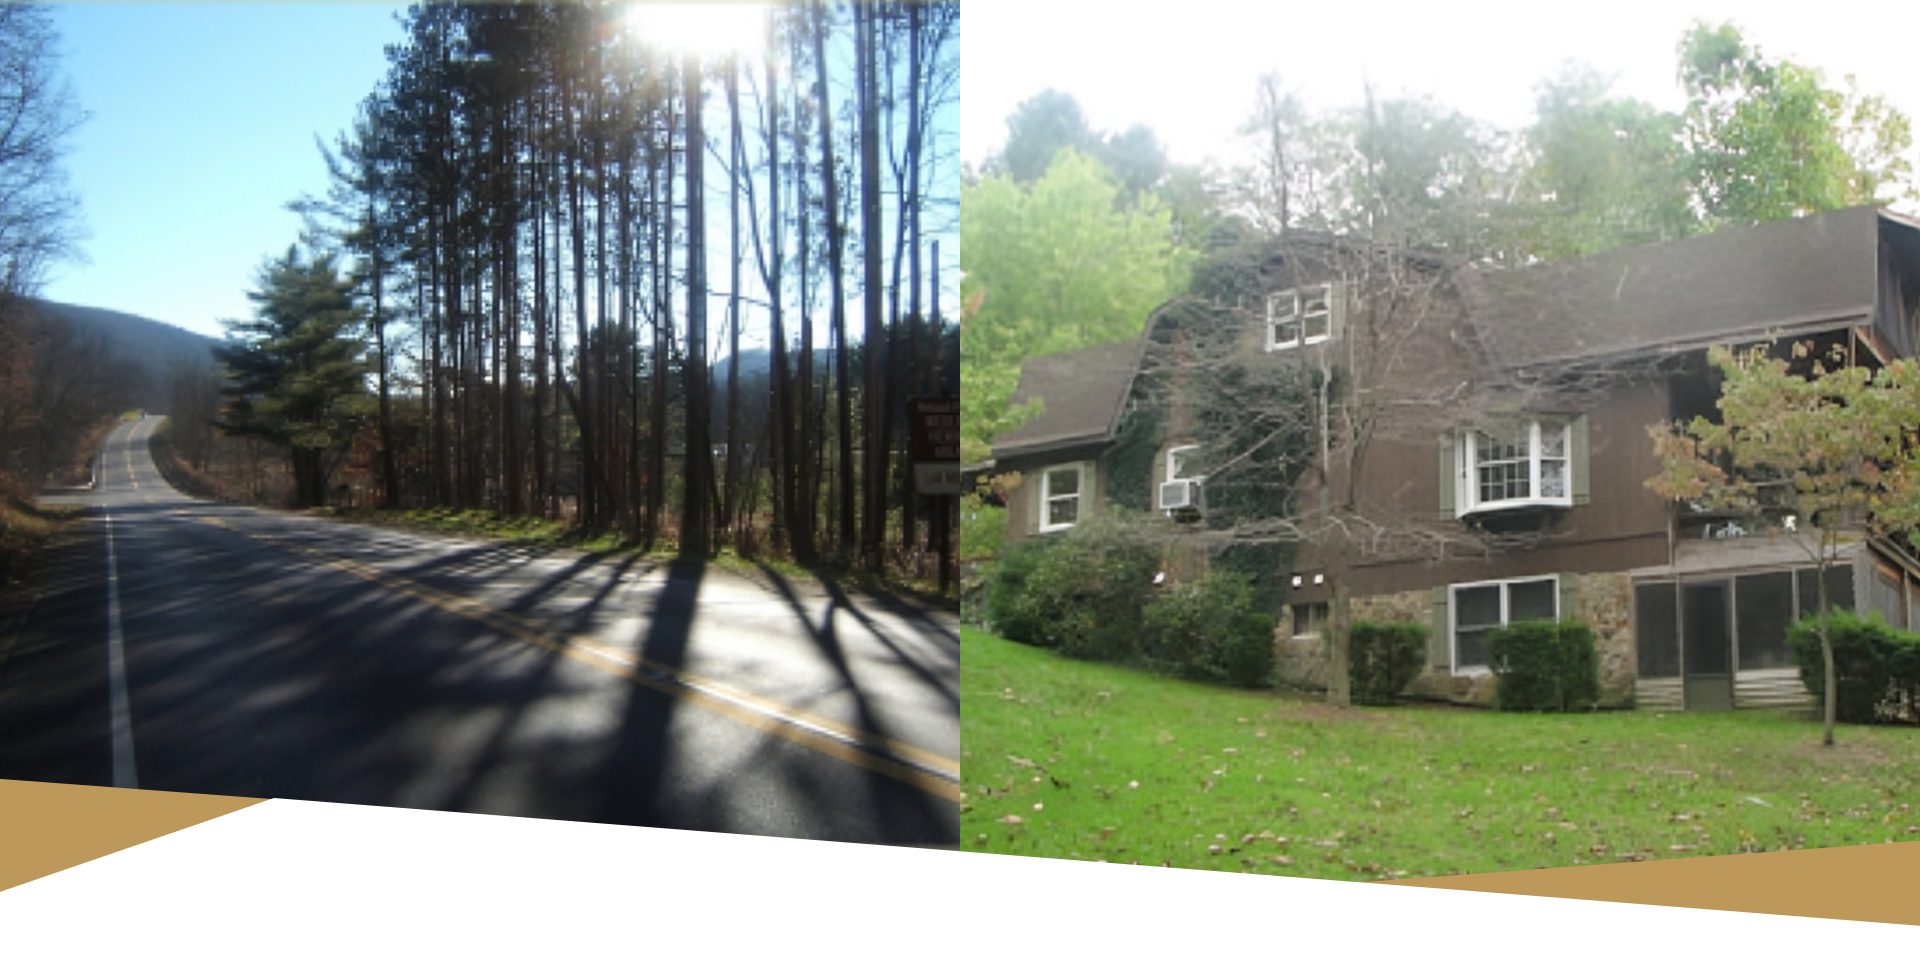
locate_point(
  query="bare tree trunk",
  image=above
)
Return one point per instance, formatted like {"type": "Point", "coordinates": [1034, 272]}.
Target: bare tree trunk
{"type": "Point", "coordinates": [836, 244]}
{"type": "Point", "coordinates": [389, 468]}
{"type": "Point", "coordinates": [1830, 691]}
{"type": "Point", "coordinates": [542, 486]}
{"type": "Point", "coordinates": [787, 520]}
{"type": "Point", "coordinates": [729, 499]}
{"type": "Point", "coordinates": [804, 495]}
{"type": "Point", "coordinates": [585, 379]}
{"type": "Point", "coordinates": [699, 466]}
{"type": "Point", "coordinates": [874, 396]}
{"type": "Point", "coordinates": [911, 205]}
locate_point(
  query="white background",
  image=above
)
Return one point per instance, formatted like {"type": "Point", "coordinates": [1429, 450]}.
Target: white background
{"type": "Point", "coordinates": [296, 885]}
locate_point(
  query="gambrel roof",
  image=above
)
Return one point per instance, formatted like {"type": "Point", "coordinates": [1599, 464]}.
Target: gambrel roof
{"type": "Point", "coordinates": [1818, 273]}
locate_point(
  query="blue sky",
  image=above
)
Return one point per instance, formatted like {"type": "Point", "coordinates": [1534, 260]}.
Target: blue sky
{"type": "Point", "coordinates": [203, 124]}
{"type": "Point", "coordinates": [202, 129]}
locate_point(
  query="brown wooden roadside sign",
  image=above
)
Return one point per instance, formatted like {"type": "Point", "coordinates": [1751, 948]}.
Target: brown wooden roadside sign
{"type": "Point", "coordinates": [934, 444]}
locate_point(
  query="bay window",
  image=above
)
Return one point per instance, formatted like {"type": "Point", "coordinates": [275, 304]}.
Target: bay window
{"type": "Point", "coordinates": [1518, 463]}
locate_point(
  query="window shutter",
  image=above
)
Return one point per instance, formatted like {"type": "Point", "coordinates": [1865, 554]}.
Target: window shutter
{"type": "Point", "coordinates": [1448, 474]}
{"type": "Point", "coordinates": [1578, 449]}
{"type": "Point", "coordinates": [1090, 499]}
{"type": "Point", "coordinates": [1337, 305]}
{"type": "Point", "coordinates": [1569, 597]}
{"type": "Point", "coordinates": [1439, 654]}
{"type": "Point", "coordinates": [1032, 493]}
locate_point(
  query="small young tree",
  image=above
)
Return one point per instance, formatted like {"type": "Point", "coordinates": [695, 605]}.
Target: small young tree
{"type": "Point", "coordinates": [1834, 445]}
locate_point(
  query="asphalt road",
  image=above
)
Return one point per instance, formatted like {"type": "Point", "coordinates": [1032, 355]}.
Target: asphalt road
{"type": "Point", "coordinates": [190, 646]}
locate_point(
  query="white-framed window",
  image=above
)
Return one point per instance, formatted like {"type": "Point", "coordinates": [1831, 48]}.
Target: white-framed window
{"type": "Point", "coordinates": [1517, 463]}
{"type": "Point", "coordinates": [1060, 488]}
{"type": "Point", "coordinates": [1180, 488]}
{"type": "Point", "coordinates": [1309, 619]}
{"type": "Point", "coordinates": [1479, 607]}
{"type": "Point", "coordinates": [1299, 317]}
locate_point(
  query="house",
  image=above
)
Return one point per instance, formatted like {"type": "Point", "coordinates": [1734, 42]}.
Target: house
{"type": "Point", "coordinates": [1494, 427]}
{"type": "Point", "coordinates": [1058, 451]}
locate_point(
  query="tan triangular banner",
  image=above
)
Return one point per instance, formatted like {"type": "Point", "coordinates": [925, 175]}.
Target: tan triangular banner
{"type": "Point", "coordinates": [45, 828]}
{"type": "Point", "coordinates": [1867, 882]}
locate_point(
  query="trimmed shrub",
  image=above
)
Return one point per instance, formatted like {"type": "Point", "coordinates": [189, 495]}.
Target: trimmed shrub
{"type": "Point", "coordinates": [1080, 593]}
{"type": "Point", "coordinates": [1211, 629]}
{"type": "Point", "coordinates": [1879, 666]}
{"type": "Point", "coordinates": [1382, 657]}
{"type": "Point", "coordinates": [1544, 665]}
{"type": "Point", "coordinates": [1014, 612]}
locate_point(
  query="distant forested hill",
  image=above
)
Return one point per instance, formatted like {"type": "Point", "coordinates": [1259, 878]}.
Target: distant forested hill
{"type": "Point", "coordinates": [151, 347]}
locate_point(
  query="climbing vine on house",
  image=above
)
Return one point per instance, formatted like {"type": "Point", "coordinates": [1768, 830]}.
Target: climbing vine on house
{"type": "Point", "coordinates": [1249, 416]}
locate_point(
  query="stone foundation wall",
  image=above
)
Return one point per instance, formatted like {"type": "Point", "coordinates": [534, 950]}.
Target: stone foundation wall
{"type": "Point", "coordinates": [1603, 601]}
{"type": "Point", "coordinates": [1299, 663]}
{"type": "Point", "coordinates": [1606, 604]}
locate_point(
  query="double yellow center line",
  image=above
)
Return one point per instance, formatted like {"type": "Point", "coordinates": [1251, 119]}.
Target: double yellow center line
{"type": "Point", "coordinates": [930, 772]}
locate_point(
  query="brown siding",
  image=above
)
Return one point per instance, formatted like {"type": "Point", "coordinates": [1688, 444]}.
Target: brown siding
{"type": "Point", "coordinates": [1021, 501]}
{"type": "Point", "coordinates": [1623, 526]}
{"type": "Point", "coordinates": [1611, 554]}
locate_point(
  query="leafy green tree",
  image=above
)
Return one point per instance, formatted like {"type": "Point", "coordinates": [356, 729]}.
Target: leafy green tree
{"type": "Point", "coordinates": [1600, 172]}
{"type": "Point", "coordinates": [1136, 159]}
{"type": "Point", "coordinates": [1767, 140]}
{"type": "Point", "coordinates": [1064, 263]}
{"type": "Point", "coordinates": [1051, 122]}
{"type": "Point", "coordinates": [1409, 172]}
{"type": "Point", "coordinates": [1037, 131]}
{"type": "Point", "coordinates": [1832, 445]}
{"type": "Point", "coordinates": [296, 372]}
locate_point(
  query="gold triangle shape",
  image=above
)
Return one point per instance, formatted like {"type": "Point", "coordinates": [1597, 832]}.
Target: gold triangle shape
{"type": "Point", "coordinates": [46, 828]}
{"type": "Point", "coordinates": [1873, 883]}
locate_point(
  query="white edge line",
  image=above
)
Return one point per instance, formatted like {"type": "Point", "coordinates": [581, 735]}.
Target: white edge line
{"type": "Point", "coordinates": [121, 714]}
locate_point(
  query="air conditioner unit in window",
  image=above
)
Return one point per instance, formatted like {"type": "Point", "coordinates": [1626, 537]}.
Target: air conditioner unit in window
{"type": "Point", "coordinates": [1180, 495]}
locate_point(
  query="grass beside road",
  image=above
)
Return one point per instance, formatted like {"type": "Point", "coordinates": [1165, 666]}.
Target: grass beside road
{"type": "Point", "coordinates": [1070, 759]}
{"type": "Point", "coordinates": [27, 532]}
{"type": "Point", "coordinates": [537, 531]}
{"type": "Point", "coordinates": [544, 533]}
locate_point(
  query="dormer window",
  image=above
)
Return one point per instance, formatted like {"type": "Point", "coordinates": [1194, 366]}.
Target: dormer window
{"type": "Point", "coordinates": [1299, 317]}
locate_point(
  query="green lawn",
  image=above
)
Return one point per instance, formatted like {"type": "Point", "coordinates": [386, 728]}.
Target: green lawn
{"type": "Point", "coordinates": [1070, 759]}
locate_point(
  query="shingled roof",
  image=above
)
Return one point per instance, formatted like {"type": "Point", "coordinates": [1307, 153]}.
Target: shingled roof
{"type": "Point", "coordinates": [1775, 280]}
{"type": "Point", "coordinates": [1813, 273]}
{"type": "Point", "coordinates": [1081, 391]}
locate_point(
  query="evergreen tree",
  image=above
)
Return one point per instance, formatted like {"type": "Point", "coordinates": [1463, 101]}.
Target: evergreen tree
{"type": "Point", "coordinates": [296, 372]}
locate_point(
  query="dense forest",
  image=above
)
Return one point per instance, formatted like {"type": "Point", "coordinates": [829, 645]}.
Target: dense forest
{"type": "Point", "coordinates": [551, 239]}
